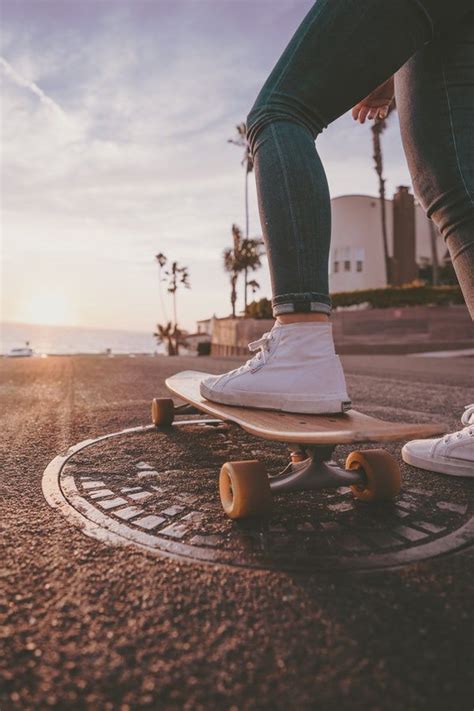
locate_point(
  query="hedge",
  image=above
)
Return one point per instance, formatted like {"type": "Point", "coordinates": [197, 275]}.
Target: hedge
{"type": "Point", "coordinates": [379, 298]}
{"type": "Point", "coordinates": [400, 296]}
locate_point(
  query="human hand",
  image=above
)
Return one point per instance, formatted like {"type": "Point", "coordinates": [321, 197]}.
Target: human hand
{"type": "Point", "coordinates": [377, 103]}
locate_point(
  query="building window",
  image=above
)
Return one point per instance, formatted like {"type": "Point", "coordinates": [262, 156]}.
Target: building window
{"type": "Point", "coordinates": [358, 265]}
{"type": "Point", "coordinates": [347, 266]}
{"type": "Point", "coordinates": [336, 267]}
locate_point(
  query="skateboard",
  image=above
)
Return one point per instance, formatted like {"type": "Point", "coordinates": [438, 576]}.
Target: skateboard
{"type": "Point", "coordinates": [244, 486]}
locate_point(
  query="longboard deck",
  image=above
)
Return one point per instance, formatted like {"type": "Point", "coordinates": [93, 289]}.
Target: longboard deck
{"type": "Point", "coordinates": [349, 427]}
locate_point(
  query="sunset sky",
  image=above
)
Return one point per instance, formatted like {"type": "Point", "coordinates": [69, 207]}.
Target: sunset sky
{"type": "Point", "coordinates": [115, 120]}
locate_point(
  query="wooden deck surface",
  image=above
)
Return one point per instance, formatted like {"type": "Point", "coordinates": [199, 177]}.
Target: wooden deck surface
{"type": "Point", "coordinates": [349, 427]}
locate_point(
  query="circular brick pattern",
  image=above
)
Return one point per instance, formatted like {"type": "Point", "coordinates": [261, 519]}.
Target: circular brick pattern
{"type": "Point", "coordinates": [158, 490]}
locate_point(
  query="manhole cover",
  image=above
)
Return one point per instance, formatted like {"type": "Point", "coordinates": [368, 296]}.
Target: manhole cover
{"type": "Point", "coordinates": [158, 491]}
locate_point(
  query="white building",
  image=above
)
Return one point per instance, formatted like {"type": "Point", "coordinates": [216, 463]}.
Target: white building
{"type": "Point", "coordinates": [206, 325]}
{"type": "Point", "coordinates": [356, 259]}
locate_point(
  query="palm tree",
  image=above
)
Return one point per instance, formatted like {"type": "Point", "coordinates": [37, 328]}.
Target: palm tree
{"type": "Point", "coordinates": [161, 259]}
{"type": "Point", "coordinates": [251, 253]}
{"type": "Point", "coordinates": [243, 256]}
{"type": "Point", "coordinates": [250, 248]}
{"type": "Point", "coordinates": [175, 276]}
{"type": "Point", "coordinates": [247, 160]}
{"type": "Point", "coordinates": [165, 334]}
{"type": "Point", "coordinates": [229, 266]}
{"type": "Point", "coordinates": [177, 340]}
{"type": "Point", "coordinates": [254, 285]}
{"type": "Point", "coordinates": [378, 128]}
{"type": "Point", "coordinates": [233, 264]}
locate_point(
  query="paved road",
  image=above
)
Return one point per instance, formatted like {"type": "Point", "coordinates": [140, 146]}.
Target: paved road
{"type": "Point", "coordinates": [91, 626]}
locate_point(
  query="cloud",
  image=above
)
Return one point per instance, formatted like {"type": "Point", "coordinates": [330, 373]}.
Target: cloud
{"type": "Point", "coordinates": [115, 125]}
{"type": "Point", "coordinates": [31, 86]}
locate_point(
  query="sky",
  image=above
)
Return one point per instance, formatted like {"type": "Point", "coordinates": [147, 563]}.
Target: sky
{"type": "Point", "coordinates": [116, 116]}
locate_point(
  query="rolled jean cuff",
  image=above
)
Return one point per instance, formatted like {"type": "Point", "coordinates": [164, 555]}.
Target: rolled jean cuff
{"type": "Point", "coordinates": [308, 302]}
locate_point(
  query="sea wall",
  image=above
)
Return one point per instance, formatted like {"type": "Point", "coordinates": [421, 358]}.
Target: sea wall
{"type": "Point", "coordinates": [395, 330]}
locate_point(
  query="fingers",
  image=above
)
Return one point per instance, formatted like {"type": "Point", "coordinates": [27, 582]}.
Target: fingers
{"type": "Point", "coordinates": [361, 111]}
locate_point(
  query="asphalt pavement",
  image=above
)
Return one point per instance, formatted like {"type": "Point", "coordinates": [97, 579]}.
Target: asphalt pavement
{"type": "Point", "coordinates": [89, 625]}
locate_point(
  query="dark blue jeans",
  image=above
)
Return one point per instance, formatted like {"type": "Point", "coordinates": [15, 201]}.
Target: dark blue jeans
{"type": "Point", "coordinates": [342, 50]}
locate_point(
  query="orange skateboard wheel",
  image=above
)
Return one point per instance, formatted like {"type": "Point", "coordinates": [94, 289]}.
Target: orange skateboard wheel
{"type": "Point", "coordinates": [382, 475]}
{"type": "Point", "coordinates": [245, 489]}
{"type": "Point", "coordinates": [162, 411]}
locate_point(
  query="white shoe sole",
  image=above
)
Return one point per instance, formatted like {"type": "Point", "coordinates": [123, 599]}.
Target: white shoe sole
{"type": "Point", "coordinates": [441, 465]}
{"type": "Point", "coordinates": [302, 404]}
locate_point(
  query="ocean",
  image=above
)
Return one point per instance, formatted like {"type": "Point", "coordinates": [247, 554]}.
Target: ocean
{"type": "Point", "coordinates": [66, 340]}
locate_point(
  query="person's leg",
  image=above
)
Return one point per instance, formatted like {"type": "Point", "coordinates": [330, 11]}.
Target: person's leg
{"type": "Point", "coordinates": [342, 50]}
{"type": "Point", "coordinates": [434, 91]}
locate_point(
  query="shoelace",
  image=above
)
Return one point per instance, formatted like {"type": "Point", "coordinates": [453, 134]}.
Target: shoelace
{"type": "Point", "coordinates": [465, 420]}
{"type": "Point", "coordinates": [262, 345]}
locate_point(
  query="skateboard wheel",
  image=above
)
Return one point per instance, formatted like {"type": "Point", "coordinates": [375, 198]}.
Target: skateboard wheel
{"type": "Point", "coordinates": [162, 411]}
{"type": "Point", "coordinates": [245, 489]}
{"type": "Point", "coordinates": [382, 475]}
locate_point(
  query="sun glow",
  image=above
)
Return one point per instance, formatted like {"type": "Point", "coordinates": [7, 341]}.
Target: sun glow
{"type": "Point", "coordinates": [48, 308]}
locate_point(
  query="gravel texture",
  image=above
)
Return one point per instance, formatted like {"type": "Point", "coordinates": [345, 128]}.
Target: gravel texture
{"type": "Point", "coordinates": [85, 625]}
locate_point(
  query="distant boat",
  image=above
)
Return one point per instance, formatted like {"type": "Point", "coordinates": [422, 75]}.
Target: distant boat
{"type": "Point", "coordinates": [25, 352]}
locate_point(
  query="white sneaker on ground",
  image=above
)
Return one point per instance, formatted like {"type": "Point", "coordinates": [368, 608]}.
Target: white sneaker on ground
{"type": "Point", "coordinates": [295, 370]}
{"type": "Point", "coordinates": [452, 454]}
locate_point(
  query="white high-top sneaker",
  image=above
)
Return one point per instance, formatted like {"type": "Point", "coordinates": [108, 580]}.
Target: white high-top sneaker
{"type": "Point", "coordinates": [452, 454]}
{"type": "Point", "coordinates": [295, 370]}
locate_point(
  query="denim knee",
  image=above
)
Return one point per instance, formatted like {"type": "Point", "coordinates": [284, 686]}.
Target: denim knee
{"type": "Point", "coordinates": [290, 110]}
{"type": "Point", "coordinates": [257, 118]}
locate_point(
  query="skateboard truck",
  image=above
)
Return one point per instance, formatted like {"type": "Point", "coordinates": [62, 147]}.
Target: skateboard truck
{"type": "Point", "coordinates": [186, 409]}
{"type": "Point", "coordinates": [312, 468]}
